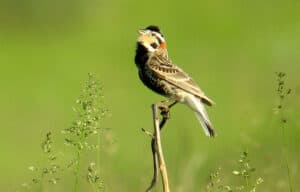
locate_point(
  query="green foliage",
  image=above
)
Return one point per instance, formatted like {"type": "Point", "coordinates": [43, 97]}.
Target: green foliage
{"type": "Point", "coordinates": [49, 169]}
{"type": "Point", "coordinates": [282, 93]}
{"type": "Point", "coordinates": [244, 171]}
{"type": "Point", "coordinates": [90, 110]}
{"type": "Point", "coordinates": [94, 178]}
{"type": "Point", "coordinates": [216, 183]}
{"type": "Point", "coordinates": [53, 166]}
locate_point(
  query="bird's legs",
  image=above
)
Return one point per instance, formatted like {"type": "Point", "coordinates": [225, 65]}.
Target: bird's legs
{"type": "Point", "coordinates": [165, 111]}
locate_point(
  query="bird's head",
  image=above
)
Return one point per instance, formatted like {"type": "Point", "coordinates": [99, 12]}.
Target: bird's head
{"type": "Point", "coordinates": [152, 39]}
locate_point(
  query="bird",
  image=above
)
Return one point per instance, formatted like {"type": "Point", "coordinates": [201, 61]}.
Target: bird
{"type": "Point", "coordinates": [161, 75]}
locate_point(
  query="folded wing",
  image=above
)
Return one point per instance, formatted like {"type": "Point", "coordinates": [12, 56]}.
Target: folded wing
{"type": "Point", "coordinates": [168, 71]}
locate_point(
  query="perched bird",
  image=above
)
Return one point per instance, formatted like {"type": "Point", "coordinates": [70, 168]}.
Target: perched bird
{"type": "Point", "coordinates": [161, 75]}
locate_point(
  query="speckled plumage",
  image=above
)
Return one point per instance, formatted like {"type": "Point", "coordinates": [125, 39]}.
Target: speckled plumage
{"type": "Point", "coordinates": [161, 75]}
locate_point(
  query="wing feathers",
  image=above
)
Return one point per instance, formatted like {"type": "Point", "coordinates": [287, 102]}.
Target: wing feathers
{"type": "Point", "coordinates": [177, 77]}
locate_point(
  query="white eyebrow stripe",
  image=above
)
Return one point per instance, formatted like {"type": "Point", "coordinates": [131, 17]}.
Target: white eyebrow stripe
{"type": "Point", "coordinates": [159, 36]}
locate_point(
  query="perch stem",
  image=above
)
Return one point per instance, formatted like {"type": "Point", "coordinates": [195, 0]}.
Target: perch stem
{"type": "Point", "coordinates": [159, 151]}
{"type": "Point", "coordinates": [165, 116]}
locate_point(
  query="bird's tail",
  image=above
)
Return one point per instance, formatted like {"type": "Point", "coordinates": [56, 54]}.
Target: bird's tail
{"type": "Point", "coordinates": [200, 112]}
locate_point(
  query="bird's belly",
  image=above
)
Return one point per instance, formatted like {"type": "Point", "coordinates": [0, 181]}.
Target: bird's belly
{"type": "Point", "coordinates": [154, 83]}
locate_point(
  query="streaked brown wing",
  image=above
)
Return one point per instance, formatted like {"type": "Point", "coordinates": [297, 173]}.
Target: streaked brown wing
{"type": "Point", "coordinates": [168, 71]}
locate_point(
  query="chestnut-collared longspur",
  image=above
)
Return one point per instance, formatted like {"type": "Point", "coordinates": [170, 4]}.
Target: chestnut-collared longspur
{"type": "Point", "coordinates": [161, 75]}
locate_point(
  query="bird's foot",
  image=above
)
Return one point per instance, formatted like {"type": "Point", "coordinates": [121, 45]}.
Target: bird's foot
{"type": "Point", "coordinates": [164, 110]}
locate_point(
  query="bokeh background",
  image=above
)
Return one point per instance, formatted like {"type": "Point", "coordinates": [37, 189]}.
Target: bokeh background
{"type": "Point", "coordinates": [231, 48]}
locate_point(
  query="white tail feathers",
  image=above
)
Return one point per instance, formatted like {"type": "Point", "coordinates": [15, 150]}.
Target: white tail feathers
{"type": "Point", "coordinates": [205, 124]}
{"type": "Point", "coordinates": [197, 106]}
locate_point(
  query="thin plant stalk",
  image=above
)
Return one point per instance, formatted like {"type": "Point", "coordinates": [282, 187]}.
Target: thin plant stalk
{"type": "Point", "coordinates": [165, 113]}
{"type": "Point", "coordinates": [282, 93]}
{"type": "Point", "coordinates": [77, 169]}
{"type": "Point", "coordinates": [162, 164]}
{"type": "Point", "coordinates": [284, 151]}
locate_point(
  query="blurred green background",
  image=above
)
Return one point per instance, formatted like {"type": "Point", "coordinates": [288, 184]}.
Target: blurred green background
{"type": "Point", "coordinates": [231, 48]}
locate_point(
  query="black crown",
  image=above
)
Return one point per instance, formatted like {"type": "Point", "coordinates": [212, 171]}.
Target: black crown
{"type": "Point", "coordinates": [153, 28]}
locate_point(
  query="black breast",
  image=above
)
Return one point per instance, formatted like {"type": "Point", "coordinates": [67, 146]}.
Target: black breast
{"type": "Point", "coordinates": [147, 76]}
{"type": "Point", "coordinates": [141, 56]}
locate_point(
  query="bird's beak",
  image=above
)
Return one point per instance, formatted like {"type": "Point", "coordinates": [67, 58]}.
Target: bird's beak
{"type": "Point", "coordinates": [142, 31]}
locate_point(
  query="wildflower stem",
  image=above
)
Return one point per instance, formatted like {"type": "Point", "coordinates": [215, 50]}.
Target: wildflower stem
{"type": "Point", "coordinates": [285, 156]}
{"type": "Point", "coordinates": [42, 182]}
{"type": "Point", "coordinates": [282, 93]}
{"type": "Point", "coordinates": [77, 171]}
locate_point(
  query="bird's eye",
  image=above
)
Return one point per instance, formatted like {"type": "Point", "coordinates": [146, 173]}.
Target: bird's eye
{"type": "Point", "coordinates": [154, 45]}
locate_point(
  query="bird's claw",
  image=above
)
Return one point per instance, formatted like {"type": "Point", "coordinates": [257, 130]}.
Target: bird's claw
{"type": "Point", "coordinates": [164, 110]}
